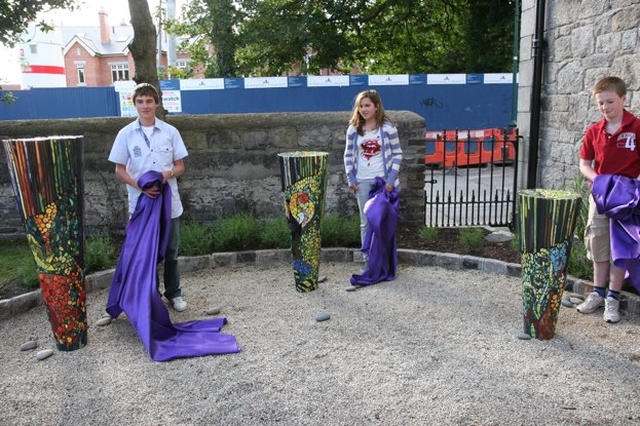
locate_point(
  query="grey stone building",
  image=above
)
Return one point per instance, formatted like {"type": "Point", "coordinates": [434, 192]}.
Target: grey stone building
{"type": "Point", "coordinates": [581, 41]}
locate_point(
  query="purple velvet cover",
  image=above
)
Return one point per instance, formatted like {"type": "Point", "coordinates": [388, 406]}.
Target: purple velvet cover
{"type": "Point", "coordinates": [134, 292]}
{"type": "Point", "coordinates": [618, 197]}
{"type": "Point", "coordinates": [380, 239]}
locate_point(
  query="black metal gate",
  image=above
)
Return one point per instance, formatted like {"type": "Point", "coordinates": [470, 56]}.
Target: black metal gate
{"type": "Point", "coordinates": [471, 177]}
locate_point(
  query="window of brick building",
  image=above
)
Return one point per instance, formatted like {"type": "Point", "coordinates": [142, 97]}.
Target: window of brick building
{"type": "Point", "coordinates": [119, 72]}
{"type": "Point", "coordinates": [81, 77]}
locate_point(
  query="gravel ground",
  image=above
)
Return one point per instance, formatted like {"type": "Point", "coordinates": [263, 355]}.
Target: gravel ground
{"type": "Point", "coordinates": [432, 347]}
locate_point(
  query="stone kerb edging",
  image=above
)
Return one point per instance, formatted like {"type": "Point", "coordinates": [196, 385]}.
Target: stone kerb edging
{"type": "Point", "coordinates": [455, 262]}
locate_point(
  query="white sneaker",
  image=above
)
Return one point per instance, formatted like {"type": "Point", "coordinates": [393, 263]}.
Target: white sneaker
{"type": "Point", "coordinates": [591, 304]}
{"type": "Point", "coordinates": [611, 310]}
{"type": "Point", "coordinates": [178, 304]}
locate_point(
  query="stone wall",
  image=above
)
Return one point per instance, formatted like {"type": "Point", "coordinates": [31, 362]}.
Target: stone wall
{"type": "Point", "coordinates": [585, 41]}
{"type": "Point", "coordinates": [232, 165]}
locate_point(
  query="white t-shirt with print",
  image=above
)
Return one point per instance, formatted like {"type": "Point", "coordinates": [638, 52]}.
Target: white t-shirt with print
{"type": "Point", "coordinates": [370, 164]}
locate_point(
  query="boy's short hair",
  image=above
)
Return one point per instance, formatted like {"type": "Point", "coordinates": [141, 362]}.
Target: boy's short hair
{"type": "Point", "coordinates": [611, 84]}
{"type": "Point", "coordinates": [145, 89]}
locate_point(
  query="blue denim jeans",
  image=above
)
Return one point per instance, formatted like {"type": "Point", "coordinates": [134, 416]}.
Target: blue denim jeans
{"type": "Point", "coordinates": [362, 196]}
{"type": "Point", "coordinates": [171, 267]}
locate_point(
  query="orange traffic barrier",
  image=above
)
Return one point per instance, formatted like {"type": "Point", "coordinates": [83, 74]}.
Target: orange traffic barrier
{"type": "Point", "coordinates": [462, 148]}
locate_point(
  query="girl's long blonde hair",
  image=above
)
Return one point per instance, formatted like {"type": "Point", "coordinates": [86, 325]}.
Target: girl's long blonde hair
{"type": "Point", "coordinates": [356, 118]}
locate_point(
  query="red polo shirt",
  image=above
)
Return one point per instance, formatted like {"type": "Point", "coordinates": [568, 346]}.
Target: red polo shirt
{"type": "Point", "coordinates": [616, 154]}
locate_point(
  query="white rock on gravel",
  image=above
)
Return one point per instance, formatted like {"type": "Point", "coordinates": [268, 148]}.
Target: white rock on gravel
{"type": "Point", "coordinates": [213, 311]}
{"type": "Point", "coordinates": [104, 321]}
{"type": "Point", "coordinates": [29, 345]}
{"type": "Point", "coordinates": [44, 354]}
{"type": "Point", "coordinates": [322, 316]}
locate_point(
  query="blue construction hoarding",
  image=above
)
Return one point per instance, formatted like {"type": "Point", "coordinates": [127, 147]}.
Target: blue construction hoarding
{"type": "Point", "coordinates": [446, 101]}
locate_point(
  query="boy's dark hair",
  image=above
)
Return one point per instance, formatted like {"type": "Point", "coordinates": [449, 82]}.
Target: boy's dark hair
{"type": "Point", "coordinates": [145, 89]}
{"type": "Point", "coordinates": [611, 84]}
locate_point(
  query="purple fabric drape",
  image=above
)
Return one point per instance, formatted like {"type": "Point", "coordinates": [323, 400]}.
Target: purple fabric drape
{"type": "Point", "coordinates": [380, 239]}
{"type": "Point", "coordinates": [134, 290]}
{"type": "Point", "coordinates": [618, 197]}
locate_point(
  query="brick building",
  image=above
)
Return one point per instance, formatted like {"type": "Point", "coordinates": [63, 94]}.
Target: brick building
{"type": "Point", "coordinates": [99, 56]}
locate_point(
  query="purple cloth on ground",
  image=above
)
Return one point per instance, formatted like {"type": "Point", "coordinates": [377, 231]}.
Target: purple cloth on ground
{"type": "Point", "coordinates": [134, 288]}
{"type": "Point", "coordinates": [380, 239]}
{"type": "Point", "coordinates": [618, 197]}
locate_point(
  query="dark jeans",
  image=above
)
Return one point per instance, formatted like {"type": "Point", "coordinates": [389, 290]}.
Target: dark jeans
{"type": "Point", "coordinates": [171, 267]}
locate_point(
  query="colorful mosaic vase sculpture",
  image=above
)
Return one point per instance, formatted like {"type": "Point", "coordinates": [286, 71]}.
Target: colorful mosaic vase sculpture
{"type": "Point", "coordinates": [304, 183]}
{"type": "Point", "coordinates": [547, 223]}
{"type": "Point", "coordinates": [46, 175]}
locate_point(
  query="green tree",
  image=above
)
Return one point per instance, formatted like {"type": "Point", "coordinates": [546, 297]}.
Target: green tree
{"type": "Point", "coordinates": [211, 38]}
{"type": "Point", "coordinates": [16, 15]}
{"type": "Point", "coordinates": [412, 37]}
{"type": "Point", "coordinates": [272, 37]}
{"type": "Point", "coordinates": [489, 23]}
{"type": "Point", "coordinates": [143, 47]}
{"type": "Point", "coordinates": [279, 36]}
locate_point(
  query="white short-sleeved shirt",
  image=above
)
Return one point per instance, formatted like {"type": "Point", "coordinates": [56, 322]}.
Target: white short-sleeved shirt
{"type": "Point", "coordinates": [165, 145]}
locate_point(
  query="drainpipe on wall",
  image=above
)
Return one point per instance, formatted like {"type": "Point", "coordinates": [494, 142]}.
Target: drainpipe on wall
{"type": "Point", "coordinates": [536, 89]}
{"type": "Point", "coordinates": [516, 58]}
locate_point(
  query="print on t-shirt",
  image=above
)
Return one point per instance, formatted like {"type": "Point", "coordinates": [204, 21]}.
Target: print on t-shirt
{"type": "Point", "coordinates": [370, 148]}
{"type": "Point", "coordinates": [627, 140]}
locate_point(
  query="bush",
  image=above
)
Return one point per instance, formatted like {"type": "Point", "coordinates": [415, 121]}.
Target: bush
{"type": "Point", "coordinates": [338, 231]}
{"type": "Point", "coordinates": [196, 239]}
{"type": "Point", "coordinates": [429, 234]}
{"type": "Point", "coordinates": [579, 266]}
{"type": "Point", "coordinates": [275, 233]}
{"type": "Point", "coordinates": [17, 264]}
{"type": "Point", "coordinates": [472, 239]}
{"type": "Point", "coordinates": [515, 243]}
{"type": "Point", "coordinates": [26, 270]}
{"type": "Point", "coordinates": [99, 254]}
{"type": "Point", "coordinates": [238, 232]}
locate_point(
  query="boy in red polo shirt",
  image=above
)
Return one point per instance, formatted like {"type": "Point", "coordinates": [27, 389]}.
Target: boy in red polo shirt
{"type": "Point", "coordinates": [609, 147]}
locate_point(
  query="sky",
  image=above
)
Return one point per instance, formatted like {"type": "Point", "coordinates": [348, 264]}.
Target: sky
{"type": "Point", "coordinates": [86, 14]}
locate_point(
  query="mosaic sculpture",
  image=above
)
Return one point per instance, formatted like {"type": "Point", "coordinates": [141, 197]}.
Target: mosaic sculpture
{"type": "Point", "coordinates": [46, 175]}
{"type": "Point", "coordinates": [304, 183]}
{"type": "Point", "coordinates": [547, 223]}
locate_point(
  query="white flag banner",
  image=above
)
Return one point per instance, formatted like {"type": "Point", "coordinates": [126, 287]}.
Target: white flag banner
{"type": "Point", "coordinates": [327, 80]}
{"type": "Point", "coordinates": [265, 82]}
{"type": "Point", "coordinates": [446, 79]}
{"type": "Point", "coordinates": [389, 80]}
{"type": "Point", "coordinates": [503, 78]}
{"type": "Point", "coordinates": [202, 84]}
